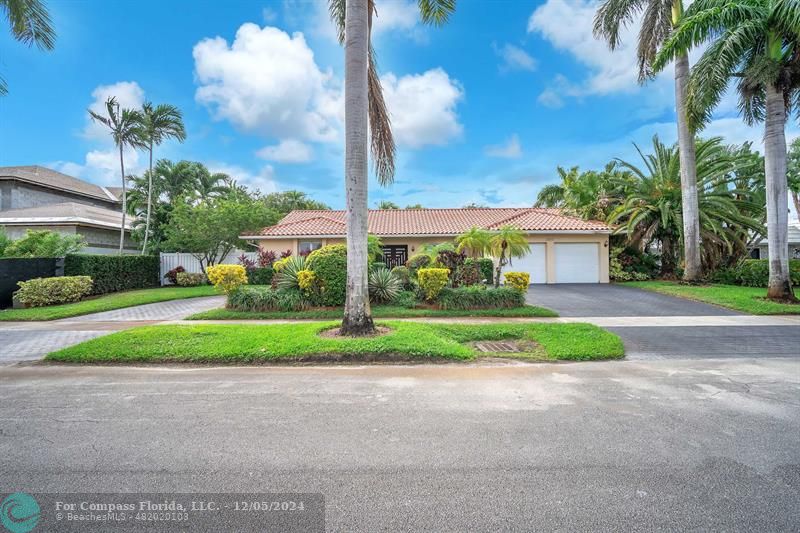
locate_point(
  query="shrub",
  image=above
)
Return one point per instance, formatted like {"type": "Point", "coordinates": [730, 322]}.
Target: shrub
{"type": "Point", "coordinates": [467, 274]}
{"type": "Point", "coordinates": [487, 269]}
{"type": "Point", "coordinates": [306, 281]}
{"type": "Point", "coordinates": [629, 264]}
{"type": "Point", "coordinates": [265, 258]}
{"type": "Point", "coordinates": [383, 285]}
{"type": "Point", "coordinates": [190, 279]}
{"type": "Point", "coordinates": [432, 281]}
{"type": "Point", "coordinates": [405, 299]}
{"type": "Point", "coordinates": [278, 265]}
{"type": "Point", "coordinates": [415, 262]}
{"type": "Point", "coordinates": [518, 280]}
{"type": "Point", "coordinates": [404, 275]}
{"type": "Point", "coordinates": [226, 277]}
{"type": "Point", "coordinates": [260, 275]}
{"type": "Point", "coordinates": [44, 244]}
{"type": "Point", "coordinates": [112, 273]}
{"type": "Point", "coordinates": [172, 275]}
{"type": "Point", "coordinates": [329, 263]}
{"type": "Point", "coordinates": [246, 262]}
{"type": "Point", "coordinates": [480, 297]}
{"type": "Point", "coordinates": [52, 291]}
{"type": "Point", "coordinates": [287, 276]}
{"type": "Point", "coordinates": [259, 298]}
{"type": "Point", "coordinates": [755, 273]}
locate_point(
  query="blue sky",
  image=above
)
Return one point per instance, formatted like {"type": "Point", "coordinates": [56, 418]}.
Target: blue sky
{"type": "Point", "coordinates": [484, 108]}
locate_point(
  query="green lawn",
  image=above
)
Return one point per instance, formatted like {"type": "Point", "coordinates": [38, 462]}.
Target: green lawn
{"type": "Point", "coordinates": [746, 299]}
{"type": "Point", "coordinates": [107, 302]}
{"type": "Point", "coordinates": [378, 311]}
{"type": "Point", "coordinates": [248, 343]}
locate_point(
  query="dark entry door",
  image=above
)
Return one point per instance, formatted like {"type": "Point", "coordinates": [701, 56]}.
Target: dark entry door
{"type": "Point", "coordinates": [395, 255]}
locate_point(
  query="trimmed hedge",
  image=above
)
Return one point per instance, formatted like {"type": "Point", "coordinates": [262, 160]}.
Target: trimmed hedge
{"type": "Point", "coordinates": [113, 273]}
{"type": "Point", "coordinates": [754, 273]}
{"type": "Point", "coordinates": [259, 298]}
{"type": "Point", "coordinates": [486, 267]}
{"type": "Point", "coordinates": [329, 264]}
{"type": "Point", "coordinates": [39, 292]}
{"type": "Point", "coordinates": [260, 275]}
{"type": "Point", "coordinates": [188, 279]}
{"type": "Point", "coordinates": [480, 297]}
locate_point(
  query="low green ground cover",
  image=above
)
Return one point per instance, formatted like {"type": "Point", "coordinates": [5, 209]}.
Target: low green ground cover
{"type": "Point", "coordinates": [235, 343]}
{"type": "Point", "coordinates": [107, 302]}
{"type": "Point", "coordinates": [746, 299]}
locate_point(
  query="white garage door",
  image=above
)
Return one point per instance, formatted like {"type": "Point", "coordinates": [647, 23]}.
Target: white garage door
{"type": "Point", "coordinates": [577, 262]}
{"type": "Point", "coordinates": [535, 264]}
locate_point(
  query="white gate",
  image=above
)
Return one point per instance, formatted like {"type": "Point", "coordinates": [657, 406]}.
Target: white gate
{"type": "Point", "coordinates": [191, 264]}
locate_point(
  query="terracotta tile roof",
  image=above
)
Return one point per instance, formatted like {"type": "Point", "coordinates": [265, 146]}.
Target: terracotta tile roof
{"type": "Point", "coordinates": [384, 222]}
{"type": "Point", "coordinates": [56, 180]}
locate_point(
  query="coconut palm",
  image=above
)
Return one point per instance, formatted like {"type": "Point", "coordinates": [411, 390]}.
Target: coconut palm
{"type": "Point", "coordinates": [589, 195]}
{"type": "Point", "coordinates": [474, 241]}
{"type": "Point", "coordinates": [365, 113]}
{"type": "Point", "coordinates": [659, 18]}
{"type": "Point", "coordinates": [506, 243]}
{"type": "Point", "coordinates": [125, 128]}
{"type": "Point", "coordinates": [158, 124]}
{"type": "Point", "coordinates": [757, 43]}
{"type": "Point", "coordinates": [652, 211]}
{"type": "Point", "coordinates": [30, 24]}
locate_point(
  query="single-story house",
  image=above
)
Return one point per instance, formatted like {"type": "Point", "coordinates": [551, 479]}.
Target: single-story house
{"type": "Point", "coordinates": [761, 250]}
{"type": "Point", "coordinates": [38, 198]}
{"type": "Point", "coordinates": [564, 249]}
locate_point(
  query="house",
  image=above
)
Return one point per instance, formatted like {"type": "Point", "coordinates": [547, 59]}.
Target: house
{"type": "Point", "coordinates": [564, 249]}
{"type": "Point", "coordinates": [39, 198]}
{"type": "Point", "coordinates": [761, 250]}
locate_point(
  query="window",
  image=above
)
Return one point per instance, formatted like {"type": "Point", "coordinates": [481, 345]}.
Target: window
{"type": "Point", "coordinates": [306, 247]}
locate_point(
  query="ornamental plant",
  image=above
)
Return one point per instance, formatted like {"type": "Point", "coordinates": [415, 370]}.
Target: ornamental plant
{"type": "Point", "coordinates": [227, 277]}
{"type": "Point", "coordinates": [190, 279]}
{"type": "Point", "coordinates": [518, 280]}
{"type": "Point", "coordinates": [432, 281]}
{"type": "Point", "coordinates": [306, 281]}
{"type": "Point", "coordinates": [39, 292]}
{"type": "Point", "coordinates": [329, 263]}
{"type": "Point", "coordinates": [383, 284]}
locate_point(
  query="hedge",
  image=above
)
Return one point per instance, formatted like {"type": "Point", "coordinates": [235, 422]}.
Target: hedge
{"type": "Point", "coordinates": [329, 264]}
{"type": "Point", "coordinates": [753, 273]}
{"type": "Point", "coordinates": [480, 297]}
{"type": "Point", "coordinates": [486, 266]}
{"type": "Point", "coordinates": [112, 273]}
{"type": "Point", "coordinates": [39, 292]}
{"type": "Point", "coordinates": [260, 275]}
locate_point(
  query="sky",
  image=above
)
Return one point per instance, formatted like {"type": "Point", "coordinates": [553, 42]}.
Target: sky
{"type": "Point", "coordinates": [483, 109]}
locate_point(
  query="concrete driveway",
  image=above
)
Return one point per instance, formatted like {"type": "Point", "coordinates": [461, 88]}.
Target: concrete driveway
{"type": "Point", "coordinates": [608, 299]}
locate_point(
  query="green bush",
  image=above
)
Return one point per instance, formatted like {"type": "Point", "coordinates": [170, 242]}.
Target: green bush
{"type": "Point", "coordinates": [190, 279]}
{"type": "Point", "coordinates": [259, 298]}
{"type": "Point", "coordinates": [42, 244]}
{"type": "Point", "coordinates": [39, 292]}
{"type": "Point", "coordinates": [480, 297]}
{"type": "Point", "coordinates": [753, 273]}
{"type": "Point", "coordinates": [432, 281]}
{"type": "Point", "coordinates": [383, 285]}
{"type": "Point", "coordinates": [404, 275]}
{"type": "Point", "coordinates": [486, 267]}
{"type": "Point", "coordinates": [415, 262]}
{"type": "Point", "coordinates": [260, 275]}
{"type": "Point", "coordinates": [405, 299]}
{"type": "Point", "coordinates": [112, 273]}
{"type": "Point", "coordinates": [467, 274]}
{"type": "Point", "coordinates": [329, 263]}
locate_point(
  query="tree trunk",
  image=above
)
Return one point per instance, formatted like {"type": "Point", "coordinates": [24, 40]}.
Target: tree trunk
{"type": "Point", "coordinates": [357, 313]}
{"type": "Point", "coordinates": [149, 201]}
{"type": "Point", "coordinates": [691, 218]}
{"type": "Point", "coordinates": [667, 258]}
{"type": "Point", "coordinates": [501, 262]}
{"type": "Point", "coordinates": [780, 287]}
{"type": "Point", "coordinates": [124, 201]}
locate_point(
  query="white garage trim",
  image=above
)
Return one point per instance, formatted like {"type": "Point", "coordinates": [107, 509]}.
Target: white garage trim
{"type": "Point", "coordinates": [535, 263]}
{"type": "Point", "coordinates": [577, 262]}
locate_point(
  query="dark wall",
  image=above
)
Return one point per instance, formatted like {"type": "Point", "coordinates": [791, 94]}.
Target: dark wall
{"type": "Point", "coordinates": [14, 270]}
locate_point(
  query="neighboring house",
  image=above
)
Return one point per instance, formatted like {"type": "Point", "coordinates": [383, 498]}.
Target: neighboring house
{"type": "Point", "coordinates": [38, 198]}
{"type": "Point", "coordinates": [564, 249]}
{"type": "Point", "coordinates": [761, 250]}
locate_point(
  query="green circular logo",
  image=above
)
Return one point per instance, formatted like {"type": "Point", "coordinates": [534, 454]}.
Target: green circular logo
{"type": "Point", "coordinates": [20, 512]}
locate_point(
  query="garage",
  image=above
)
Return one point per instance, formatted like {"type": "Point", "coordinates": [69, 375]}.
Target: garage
{"type": "Point", "coordinates": [535, 263]}
{"type": "Point", "coordinates": [577, 262]}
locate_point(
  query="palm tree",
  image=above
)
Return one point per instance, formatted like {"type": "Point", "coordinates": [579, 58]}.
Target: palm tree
{"type": "Point", "coordinates": [125, 128]}
{"type": "Point", "coordinates": [387, 204]}
{"type": "Point", "coordinates": [176, 181]}
{"type": "Point", "coordinates": [474, 241]}
{"type": "Point", "coordinates": [659, 19]}
{"type": "Point", "coordinates": [652, 210]}
{"type": "Point", "coordinates": [756, 42]}
{"type": "Point", "coordinates": [30, 24]}
{"type": "Point", "coordinates": [212, 185]}
{"type": "Point", "coordinates": [365, 112]}
{"type": "Point", "coordinates": [793, 174]}
{"type": "Point", "coordinates": [589, 195]}
{"type": "Point", "coordinates": [158, 123]}
{"type": "Point", "coordinates": [505, 243]}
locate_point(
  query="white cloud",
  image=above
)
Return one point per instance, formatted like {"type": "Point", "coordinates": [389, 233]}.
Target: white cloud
{"type": "Point", "coordinates": [128, 95]}
{"type": "Point", "coordinates": [287, 151]}
{"type": "Point", "coordinates": [423, 107]}
{"type": "Point", "coordinates": [550, 98]}
{"type": "Point", "coordinates": [510, 150]}
{"type": "Point", "coordinates": [267, 81]}
{"type": "Point", "coordinates": [514, 58]}
{"type": "Point", "coordinates": [102, 166]}
{"type": "Point", "coordinates": [263, 180]}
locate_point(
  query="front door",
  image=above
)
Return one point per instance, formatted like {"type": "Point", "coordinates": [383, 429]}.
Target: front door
{"type": "Point", "coordinates": [395, 255]}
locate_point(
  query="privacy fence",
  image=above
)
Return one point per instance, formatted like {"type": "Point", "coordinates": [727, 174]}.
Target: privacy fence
{"type": "Point", "coordinates": [191, 264]}
{"type": "Point", "coordinates": [16, 270]}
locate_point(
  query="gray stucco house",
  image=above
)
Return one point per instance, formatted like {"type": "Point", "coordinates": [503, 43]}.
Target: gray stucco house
{"type": "Point", "coordinates": [39, 198]}
{"type": "Point", "coordinates": [761, 250]}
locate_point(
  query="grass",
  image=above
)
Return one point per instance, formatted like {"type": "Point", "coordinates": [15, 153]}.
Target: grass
{"type": "Point", "coordinates": [249, 343]}
{"type": "Point", "coordinates": [107, 302]}
{"type": "Point", "coordinates": [378, 311]}
{"type": "Point", "coordinates": [746, 299]}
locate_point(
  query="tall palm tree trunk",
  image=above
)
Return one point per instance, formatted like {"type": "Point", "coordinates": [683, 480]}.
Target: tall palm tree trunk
{"type": "Point", "coordinates": [124, 201]}
{"type": "Point", "coordinates": [780, 287]}
{"type": "Point", "coordinates": [691, 217]}
{"type": "Point", "coordinates": [357, 314]}
{"type": "Point", "coordinates": [149, 201]}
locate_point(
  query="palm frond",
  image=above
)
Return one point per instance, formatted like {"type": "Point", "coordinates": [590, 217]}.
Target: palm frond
{"type": "Point", "coordinates": [30, 22]}
{"type": "Point", "coordinates": [436, 12]}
